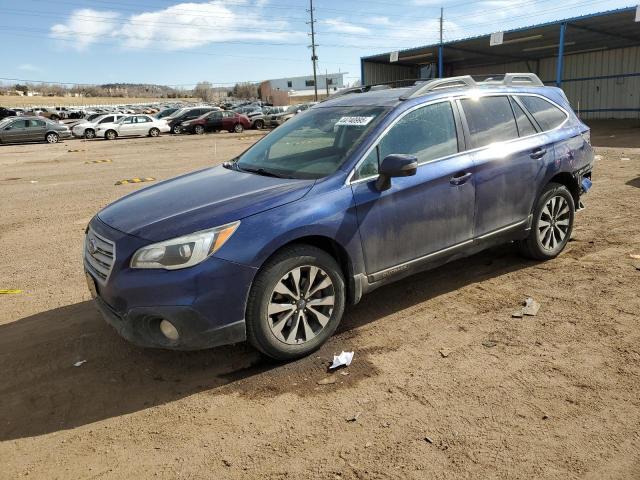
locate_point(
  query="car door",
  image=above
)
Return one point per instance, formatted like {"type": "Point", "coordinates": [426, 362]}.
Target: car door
{"type": "Point", "coordinates": [507, 163]}
{"type": "Point", "coordinates": [214, 121]}
{"type": "Point", "coordinates": [35, 130]}
{"type": "Point", "coordinates": [143, 125]}
{"type": "Point", "coordinates": [423, 214]}
{"type": "Point", "coordinates": [128, 126]}
{"type": "Point", "coordinates": [14, 132]}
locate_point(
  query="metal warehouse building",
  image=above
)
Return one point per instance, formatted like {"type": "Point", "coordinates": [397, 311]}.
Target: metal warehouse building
{"type": "Point", "coordinates": [594, 58]}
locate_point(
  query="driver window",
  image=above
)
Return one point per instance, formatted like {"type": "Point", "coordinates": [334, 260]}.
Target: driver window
{"type": "Point", "coordinates": [428, 133]}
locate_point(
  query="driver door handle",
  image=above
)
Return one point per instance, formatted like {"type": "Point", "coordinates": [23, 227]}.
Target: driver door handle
{"type": "Point", "coordinates": [538, 153]}
{"type": "Point", "coordinates": [460, 178]}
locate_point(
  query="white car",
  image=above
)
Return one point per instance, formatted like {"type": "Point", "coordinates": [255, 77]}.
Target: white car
{"type": "Point", "coordinates": [87, 129]}
{"type": "Point", "coordinates": [132, 125]}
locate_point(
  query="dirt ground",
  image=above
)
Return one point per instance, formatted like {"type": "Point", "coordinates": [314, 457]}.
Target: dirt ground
{"type": "Point", "coordinates": [445, 384]}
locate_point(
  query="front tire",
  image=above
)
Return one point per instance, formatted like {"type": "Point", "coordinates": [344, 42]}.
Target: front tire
{"type": "Point", "coordinates": [199, 129]}
{"type": "Point", "coordinates": [89, 133]}
{"type": "Point", "coordinates": [552, 223]}
{"type": "Point", "coordinates": [296, 302]}
{"type": "Point", "coordinates": [52, 137]}
{"type": "Point", "coordinates": [111, 135]}
{"type": "Point", "coordinates": [238, 128]}
{"type": "Point", "coordinates": [259, 124]}
{"type": "Point", "coordinates": [177, 129]}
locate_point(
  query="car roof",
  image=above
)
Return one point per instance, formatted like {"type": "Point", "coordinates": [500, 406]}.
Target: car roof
{"type": "Point", "coordinates": [385, 96]}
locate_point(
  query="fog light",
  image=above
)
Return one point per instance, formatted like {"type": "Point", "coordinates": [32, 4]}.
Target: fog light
{"type": "Point", "coordinates": [169, 331]}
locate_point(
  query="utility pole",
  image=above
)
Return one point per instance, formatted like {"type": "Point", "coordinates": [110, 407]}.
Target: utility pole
{"type": "Point", "coordinates": [314, 57]}
{"type": "Point", "coordinates": [326, 80]}
{"type": "Point", "coordinates": [440, 48]}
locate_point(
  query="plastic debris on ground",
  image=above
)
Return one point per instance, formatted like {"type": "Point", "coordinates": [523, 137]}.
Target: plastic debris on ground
{"type": "Point", "coordinates": [530, 308]}
{"type": "Point", "coordinates": [10, 292]}
{"type": "Point", "coordinates": [344, 359]}
{"type": "Point", "coordinates": [80, 363]}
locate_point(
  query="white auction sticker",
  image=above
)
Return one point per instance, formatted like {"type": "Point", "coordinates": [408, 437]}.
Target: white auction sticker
{"type": "Point", "coordinates": [354, 121]}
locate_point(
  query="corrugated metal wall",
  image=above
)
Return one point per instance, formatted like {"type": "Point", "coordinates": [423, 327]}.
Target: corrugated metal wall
{"type": "Point", "coordinates": [609, 97]}
{"type": "Point", "coordinates": [382, 72]}
{"type": "Point", "coordinates": [595, 98]}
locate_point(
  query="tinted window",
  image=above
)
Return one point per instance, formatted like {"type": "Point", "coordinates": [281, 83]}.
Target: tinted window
{"type": "Point", "coordinates": [107, 120]}
{"type": "Point", "coordinates": [19, 124]}
{"type": "Point", "coordinates": [490, 120]}
{"type": "Point", "coordinates": [428, 133]}
{"type": "Point", "coordinates": [546, 114]}
{"type": "Point", "coordinates": [525, 127]}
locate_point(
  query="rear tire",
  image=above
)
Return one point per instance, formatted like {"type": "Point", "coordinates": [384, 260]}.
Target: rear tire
{"type": "Point", "coordinates": [177, 129]}
{"type": "Point", "coordinates": [110, 135]}
{"type": "Point", "coordinates": [198, 129]}
{"type": "Point", "coordinates": [552, 223]}
{"type": "Point", "coordinates": [154, 132]}
{"type": "Point", "coordinates": [296, 302]}
{"type": "Point", "coordinates": [52, 137]}
{"type": "Point", "coordinates": [259, 124]}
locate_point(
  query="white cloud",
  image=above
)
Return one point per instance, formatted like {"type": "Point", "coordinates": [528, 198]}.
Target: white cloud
{"type": "Point", "coordinates": [339, 25]}
{"type": "Point", "coordinates": [27, 67]}
{"type": "Point", "coordinates": [85, 27]}
{"type": "Point", "coordinates": [181, 26]}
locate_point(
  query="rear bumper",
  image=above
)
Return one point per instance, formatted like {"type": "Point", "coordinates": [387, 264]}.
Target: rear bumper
{"type": "Point", "coordinates": [141, 326]}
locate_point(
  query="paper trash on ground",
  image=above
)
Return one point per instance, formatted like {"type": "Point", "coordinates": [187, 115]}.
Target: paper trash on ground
{"type": "Point", "coordinates": [78, 364]}
{"type": "Point", "coordinates": [344, 358]}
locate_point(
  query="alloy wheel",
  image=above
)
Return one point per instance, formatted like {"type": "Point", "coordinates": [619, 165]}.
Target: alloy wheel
{"type": "Point", "coordinates": [554, 222]}
{"type": "Point", "coordinates": [52, 138]}
{"type": "Point", "coordinates": [301, 304]}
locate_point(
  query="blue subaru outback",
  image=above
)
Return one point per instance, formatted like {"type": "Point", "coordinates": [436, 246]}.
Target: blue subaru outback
{"type": "Point", "coordinates": [365, 188]}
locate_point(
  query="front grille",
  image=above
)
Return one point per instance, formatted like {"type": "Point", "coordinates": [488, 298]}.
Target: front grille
{"type": "Point", "coordinates": [99, 256]}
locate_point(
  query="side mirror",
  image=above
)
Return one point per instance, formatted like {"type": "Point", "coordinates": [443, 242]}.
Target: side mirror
{"type": "Point", "coordinates": [395, 165]}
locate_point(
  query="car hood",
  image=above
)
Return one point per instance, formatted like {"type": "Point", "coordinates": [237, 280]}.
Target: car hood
{"type": "Point", "coordinates": [199, 200]}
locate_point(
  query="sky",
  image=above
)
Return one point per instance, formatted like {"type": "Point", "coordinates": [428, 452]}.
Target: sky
{"type": "Point", "coordinates": [228, 41]}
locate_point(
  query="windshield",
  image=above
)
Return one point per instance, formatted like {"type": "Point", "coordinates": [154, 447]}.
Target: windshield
{"type": "Point", "coordinates": [313, 144]}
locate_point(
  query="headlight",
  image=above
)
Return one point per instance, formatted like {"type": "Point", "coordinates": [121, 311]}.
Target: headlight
{"type": "Point", "coordinates": [183, 252]}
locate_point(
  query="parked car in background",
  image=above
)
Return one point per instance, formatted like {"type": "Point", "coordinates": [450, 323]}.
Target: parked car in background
{"type": "Point", "coordinates": [275, 119]}
{"type": "Point", "coordinates": [174, 121]}
{"type": "Point", "coordinates": [88, 129]}
{"type": "Point", "coordinates": [361, 190]}
{"type": "Point", "coordinates": [5, 112]}
{"type": "Point", "coordinates": [31, 129]}
{"type": "Point", "coordinates": [166, 112]}
{"type": "Point", "coordinates": [132, 125]}
{"type": "Point", "coordinates": [216, 121]}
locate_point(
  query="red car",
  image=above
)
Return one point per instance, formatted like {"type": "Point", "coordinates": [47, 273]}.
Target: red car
{"type": "Point", "coordinates": [216, 121]}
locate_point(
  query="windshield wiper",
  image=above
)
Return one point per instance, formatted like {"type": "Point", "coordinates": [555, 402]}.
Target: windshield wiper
{"type": "Point", "coordinates": [261, 171]}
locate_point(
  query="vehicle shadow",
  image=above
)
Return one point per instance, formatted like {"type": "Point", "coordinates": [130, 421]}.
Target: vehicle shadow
{"type": "Point", "coordinates": [635, 182]}
{"type": "Point", "coordinates": [43, 392]}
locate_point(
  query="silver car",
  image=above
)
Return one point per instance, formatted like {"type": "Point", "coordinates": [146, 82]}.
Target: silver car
{"type": "Point", "coordinates": [32, 129]}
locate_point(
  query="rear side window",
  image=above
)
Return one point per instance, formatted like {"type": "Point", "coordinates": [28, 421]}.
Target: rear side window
{"type": "Point", "coordinates": [546, 114]}
{"type": "Point", "coordinates": [107, 120]}
{"type": "Point", "coordinates": [490, 120]}
{"type": "Point", "coordinates": [525, 127]}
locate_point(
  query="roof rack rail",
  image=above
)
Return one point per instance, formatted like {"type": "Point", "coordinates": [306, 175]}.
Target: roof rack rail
{"type": "Point", "coordinates": [514, 80]}
{"type": "Point", "coordinates": [467, 81]}
{"type": "Point", "coordinates": [438, 84]}
{"type": "Point", "coordinates": [372, 88]}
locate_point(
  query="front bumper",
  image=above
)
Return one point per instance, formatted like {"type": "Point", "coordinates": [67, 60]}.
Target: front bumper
{"type": "Point", "coordinates": [206, 303]}
{"type": "Point", "coordinates": [141, 326]}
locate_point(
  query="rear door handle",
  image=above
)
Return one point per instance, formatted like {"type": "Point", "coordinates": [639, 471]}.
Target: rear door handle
{"type": "Point", "coordinates": [460, 178]}
{"type": "Point", "coordinates": [538, 153]}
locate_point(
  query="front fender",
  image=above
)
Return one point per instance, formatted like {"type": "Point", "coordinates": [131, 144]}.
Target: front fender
{"type": "Point", "coordinates": [330, 214]}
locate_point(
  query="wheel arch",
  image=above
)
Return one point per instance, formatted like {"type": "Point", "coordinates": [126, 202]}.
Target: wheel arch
{"type": "Point", "coordinates": [569, 181]}
{"type": "Point", "coordinates": [333, 248]}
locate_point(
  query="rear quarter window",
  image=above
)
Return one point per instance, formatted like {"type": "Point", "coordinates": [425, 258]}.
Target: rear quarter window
{"type": "Point", "coordinates": [546, 114]}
